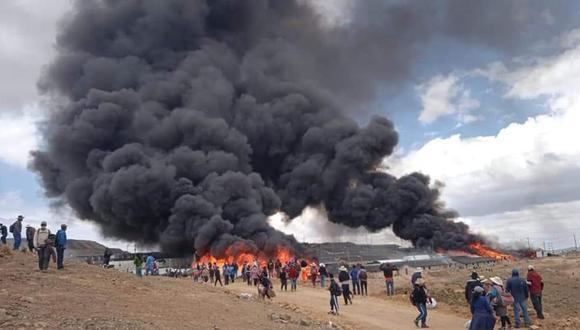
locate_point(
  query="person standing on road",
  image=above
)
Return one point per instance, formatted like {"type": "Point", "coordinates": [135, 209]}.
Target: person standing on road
{"type": "Point", "coordinates": [41, 245]}
{"type": "Point", "coordinates": [149, 263]}
{"type": "Point", "coordinates": [419, 300]}
{"type": "Point", "coordinates": [293, 274]}
{"type": "Point", "coordinates": [344, 280]}
{"type": "Point", "coordinates": [16, 230]}
{"type": "Point", "coordinates": [30, 231]}
{"type": "Point", "coordinates": [471, 284]}
{"type": "Point", "coordinates": [218, 278]}
{"type": "Point", "coordinates": [3, 233]}
{"type": "Point", "coordinates": [482, 315]}
{"type": "Point", "coordinates": [499, 303]}
{"type": "Point", "coordinates": [60, 246]}
{"type": "Point", "coordinates": [388, 271]}
{"type": "Point", "coordinates": [518, 287]}
{"type": "Point", "coordinates": [335, 291]}
{"type": "Point", "coordinates": [313, 274]}
{"type": "Point", "coordinates": [138, 262]}
{"type": "Point", "coordinates": [363, 278]}
{"type": "Point", "coordinates": [354, 278]}
{"type": "Point", "coordinates": [323, 275]}
{"type": "Point", "coordinates": [283, 279]}
{"type": "Point", "coordinates": [536, 285]}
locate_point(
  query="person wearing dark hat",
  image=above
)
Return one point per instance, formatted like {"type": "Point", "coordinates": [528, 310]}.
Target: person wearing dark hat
{"type": "Point", "coordinates": [30, 231]}
{"type": "Point", "coordinates": [3, 233]}
{"type": "Point", "coordinates": [60, 246]}
{"type": "Point", "coordinates": [16, 230]}
{"type": "Point", "coordinates": [41, 244]}
{"type": "Point", "coordinates": [470, 285]}
{"type": "Point", "coordinates": [419, 299]}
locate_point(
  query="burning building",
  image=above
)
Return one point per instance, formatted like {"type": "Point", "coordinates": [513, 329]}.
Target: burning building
{"type": "Point", "coordinates": [187, 123]}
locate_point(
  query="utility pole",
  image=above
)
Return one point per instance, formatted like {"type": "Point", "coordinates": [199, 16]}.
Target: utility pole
{"type": "Point", "coordinates": [529, 246]}
{"type": "Point", "coordinates": [575, 244]}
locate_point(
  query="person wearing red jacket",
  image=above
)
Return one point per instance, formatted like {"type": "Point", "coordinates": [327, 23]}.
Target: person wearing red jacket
{"type": "Point", "coordinates": [293, 275]}
{"type": "Point", "coordinates": [536, 285]}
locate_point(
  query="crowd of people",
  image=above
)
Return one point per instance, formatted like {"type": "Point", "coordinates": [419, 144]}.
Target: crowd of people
{"type": "Point", "coordinates": [47, 245]}
{"type": "Point", "coordinates": [489, 299]}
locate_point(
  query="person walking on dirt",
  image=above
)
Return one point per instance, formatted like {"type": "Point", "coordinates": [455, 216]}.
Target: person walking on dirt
{"type": "Point", "coordinates": [354, 278]}
{"type": "Point", "coordinates": [363, 277]}
{"type": "Point", "coordinates": [344, 280]}
{"type": "Point", "coordinates": [278, 267]}
{"type": "Point", "coordinates": [283, 279]}
{"type": "Point", "coordinates": [138, 262]}
{"type": "Point", "coordinates": [419, 300]}
{"type": "Point", "coordinates": [30, 231]}
{"type": "Point", "coordinates": [218, 278]}
{"type": "Point", "coordinates": [293, 274]}
{"type": "Point", "coordinates": [518, 287]}
{"type": "Point", "coordinates": [3, 233]}
{"type": "Point", "coordinates": [536, 286]}
{"type": "Point", "coordinates": [16, 230]}
{"type": "Point", "coordinates": [482, 315]}
{"type": "Point", "coordinates": [42, 246]}
{"type": "Point", "coordinates": [323, 275]}
{"type": "Point", "coordinates": [60, 244]}
{"type": "Point", "coordinates": [335, 291]}
{"type": "Point", "coordinates": [471, 284]}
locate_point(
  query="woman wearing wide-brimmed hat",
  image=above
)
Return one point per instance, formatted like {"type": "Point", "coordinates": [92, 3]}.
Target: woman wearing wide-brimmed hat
{"type": "Point", "coordinates": [344, 280]}
{"type": "Point", "coordinates": [499, 302]}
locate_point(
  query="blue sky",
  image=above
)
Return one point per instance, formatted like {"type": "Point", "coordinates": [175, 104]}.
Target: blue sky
{"type": "Point", "coordinates": [497, 127]}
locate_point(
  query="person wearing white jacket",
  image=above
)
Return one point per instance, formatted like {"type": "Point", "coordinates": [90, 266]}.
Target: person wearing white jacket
{"type": "Point", "coordinates": [40, 238]}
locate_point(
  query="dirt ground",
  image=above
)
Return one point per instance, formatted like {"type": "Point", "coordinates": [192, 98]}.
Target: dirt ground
{"type": "Point", "coordinates": [89, 297]}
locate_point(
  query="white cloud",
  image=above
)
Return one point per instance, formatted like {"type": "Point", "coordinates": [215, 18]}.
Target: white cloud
{"type": "Point", "coordinates": [444, 96]}
{"type": "Point", "coordinates": [18, 137]}
{"type": "Point", "coordinates": [312, 226]}
{"type": "Point", "coordinates": [12, 204]}
{"type": "Point", "coordinates": [524, 169]}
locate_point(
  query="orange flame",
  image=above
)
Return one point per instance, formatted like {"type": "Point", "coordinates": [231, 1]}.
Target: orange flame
{"type": "Point", "coordinates": [485, 251]}
{"type": "Point", "coordinates": [231, 256]}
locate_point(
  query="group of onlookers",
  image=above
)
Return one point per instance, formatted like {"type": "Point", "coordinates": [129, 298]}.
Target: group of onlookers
{"type": "Point", "coordinates": [47, 245]}
{"type": "Point", "coordinates": [489, 298]}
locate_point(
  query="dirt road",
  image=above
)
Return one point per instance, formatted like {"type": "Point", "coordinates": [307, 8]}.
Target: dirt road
{"type": "Point", "coordinates": [364, 313]}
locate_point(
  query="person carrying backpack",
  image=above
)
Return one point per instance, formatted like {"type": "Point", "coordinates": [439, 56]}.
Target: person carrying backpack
{"type": "Point", "coordinates": [60, 244]}
{"type": "Point", "coordinates": [3, 233]}
{"type": "Point", "coordinates": [363, 278]}
{"type": "Point", "coordinates": [16, 230]}
{"type": "Point", "coordinates": [335, 292]}
{"type": "Point", "coordinates": [499, 301]}
{"type": "Point", "coordinates": [42, 246]}
{"type": "Point", "coordinates": [419, 300]}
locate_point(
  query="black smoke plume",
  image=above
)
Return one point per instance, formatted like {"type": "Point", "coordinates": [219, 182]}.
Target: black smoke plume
{"type": "Point", "coordinates": [188, 123]}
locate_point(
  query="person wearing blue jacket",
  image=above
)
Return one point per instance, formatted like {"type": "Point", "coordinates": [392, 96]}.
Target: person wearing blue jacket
{"type": "Point", "coordinates": [518, 288]}
{"type": "Point", "coordinates": [60, 246]}
{"type": "Point", "coordinates": [482, 314]}
{"type": "Point", "coordinates": [149, 263]}
{"type": "Point", "coordinates": [354, 278]}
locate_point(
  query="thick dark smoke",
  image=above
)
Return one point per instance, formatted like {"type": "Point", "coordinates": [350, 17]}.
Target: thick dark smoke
{"type": "Point", "coordinates": [188, 123]}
